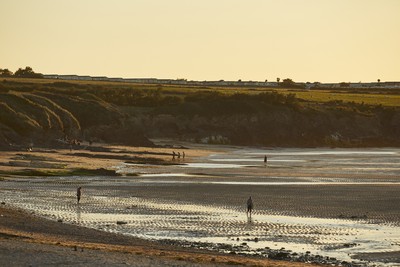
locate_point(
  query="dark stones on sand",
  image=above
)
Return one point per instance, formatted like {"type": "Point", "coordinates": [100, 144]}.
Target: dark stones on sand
{"type": "Point", "coordinates": [121, 222]}
{"type": "Point", "coordinates": [59, 220]}
{"type": "Point", "coordinates": [267, 252]}
{"type": "Point", "coordinates": [281, 256]}
{"type": "Point", "coordinates": [3, 203]}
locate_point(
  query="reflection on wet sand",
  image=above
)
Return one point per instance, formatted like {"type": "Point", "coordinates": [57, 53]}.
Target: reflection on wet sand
{"type": "Point", "coordinates": [78, 214]}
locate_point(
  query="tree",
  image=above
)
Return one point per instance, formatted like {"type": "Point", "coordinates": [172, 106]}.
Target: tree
{"type": "Point", "coordinates": [278, 79]}
{"type": "Point", "coordinates": [379, 80]}
{"type": "Point", "coordinates": [289, 83]}
{"type": "Point", "coordinates": [5, 73]}
{"type": "Point", "coordinates": [27, 73]}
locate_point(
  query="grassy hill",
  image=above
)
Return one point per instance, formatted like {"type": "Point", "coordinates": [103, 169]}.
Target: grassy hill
{"type": "Point", "coordinates": [42, 111]}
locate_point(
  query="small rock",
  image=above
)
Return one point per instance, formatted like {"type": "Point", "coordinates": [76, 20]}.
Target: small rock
{"type": "Point", "coordinates": [3, 203]}
{"type": "Point", "coordinates": [59, 220]}
{"type": "Point", "coordinates": [121, 222]}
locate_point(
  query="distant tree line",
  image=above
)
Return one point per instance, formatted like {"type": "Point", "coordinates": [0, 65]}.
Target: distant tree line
{"type": "Point", "coordinates": [20, 73]}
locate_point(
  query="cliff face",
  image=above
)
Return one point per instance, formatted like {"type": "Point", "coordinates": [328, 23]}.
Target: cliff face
{"type": "Point", "coordinates": [50, 119]}
{"type": "Point", "coordinates": [36, 114]}
{"type": "Point", "coordinates": [282, 126]}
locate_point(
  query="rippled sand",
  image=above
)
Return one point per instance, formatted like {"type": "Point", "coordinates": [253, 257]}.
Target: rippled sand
{"type": "Point", "coordinates": [335, 203]}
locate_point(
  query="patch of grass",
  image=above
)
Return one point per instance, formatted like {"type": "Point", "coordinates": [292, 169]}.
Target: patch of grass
{"type": "Point", "coordinates": [366, 98]}
{"type": "Point", "coordinates": [131, 174]}
{"type": "Point", "coordinates": [93, 172]}
{"type": "Point", "coordinates": [72, 172]}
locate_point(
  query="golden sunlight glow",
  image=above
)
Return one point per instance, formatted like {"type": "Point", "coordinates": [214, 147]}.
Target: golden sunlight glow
{"type": "Point", "coordinates": [306, 40]}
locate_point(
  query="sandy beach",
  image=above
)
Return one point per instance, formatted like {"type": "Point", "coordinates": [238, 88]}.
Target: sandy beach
{"type": "Point", "coordinates": [326, 206]}
{"type": "Point", "coordinates": [27, 240]}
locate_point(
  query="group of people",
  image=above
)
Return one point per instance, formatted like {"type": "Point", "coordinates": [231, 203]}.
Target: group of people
{"type": "Point", "coordinates": [178, 155]}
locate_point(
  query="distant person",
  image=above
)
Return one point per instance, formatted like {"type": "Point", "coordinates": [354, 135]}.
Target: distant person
{"type": "Point", "coordinates": [179, 155]}
{"type": "Point", "coordinates": [265, 159]}
{"type": "Point", "coordinates": [79, 194]}
{"type": "Point", "coordinates": [173, 154]}
{"type": "Point", "coordinates": [249, 206]}
{"type": "Point", "coordinates": [183, 155]}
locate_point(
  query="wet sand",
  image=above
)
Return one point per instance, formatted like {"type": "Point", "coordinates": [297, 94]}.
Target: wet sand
{"type": "Point", "coordinates": [340, 204]}
{"type": "Point", "coordinates": [27, 240]}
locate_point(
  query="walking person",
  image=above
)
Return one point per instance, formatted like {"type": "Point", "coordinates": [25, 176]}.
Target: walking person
{"type": "Point", "coordinates": [249, 207]}
{"type": "Point", "coordinates": [265, 159]}
{"type": "Point", "coordinates": [78, 194]}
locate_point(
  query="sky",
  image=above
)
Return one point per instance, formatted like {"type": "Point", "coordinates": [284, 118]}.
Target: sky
{"type": "Point", "coordinates": [258, 40]}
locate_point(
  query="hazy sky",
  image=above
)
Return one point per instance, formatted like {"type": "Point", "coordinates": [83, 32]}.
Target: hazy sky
{"type": "Point", "coordinates": [306, 40]}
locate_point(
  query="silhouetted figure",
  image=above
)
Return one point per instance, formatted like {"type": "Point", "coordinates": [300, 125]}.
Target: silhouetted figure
{"type": "Point", "coordinates": [179, 155]}
{"type": "Point", "coordinates": [78, 194]}
{"type": "Point", "coordinates": [249, 206]}
{"type": "Point", "coordinates": [265, 159]}
{"type": "Point", "coordinates": [183, 155]}
{"type": "Point", "coordinates": [173, 154]}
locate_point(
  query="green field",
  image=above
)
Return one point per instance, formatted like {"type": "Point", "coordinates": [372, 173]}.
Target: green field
{"type": "Point", "coordinates": [389, 98]}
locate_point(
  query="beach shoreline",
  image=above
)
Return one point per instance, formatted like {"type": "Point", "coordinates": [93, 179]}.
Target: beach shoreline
{"type": "Point", "coordinates": [23, 234]}
{"type": "Point", "coordinates": [154, 194]}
